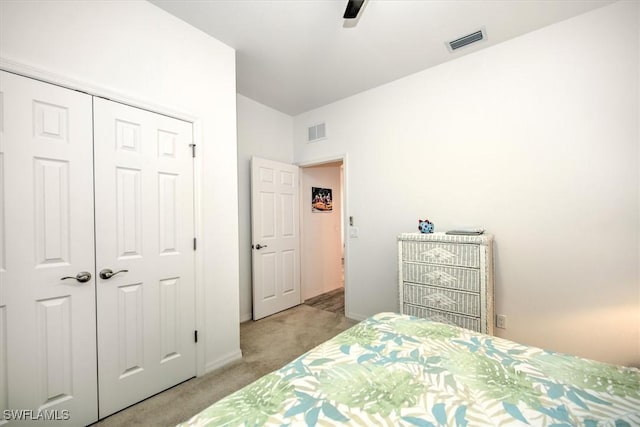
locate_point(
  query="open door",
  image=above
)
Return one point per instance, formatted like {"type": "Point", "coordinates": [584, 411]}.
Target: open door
{"type": "Point", "coordinates": [275, 236]}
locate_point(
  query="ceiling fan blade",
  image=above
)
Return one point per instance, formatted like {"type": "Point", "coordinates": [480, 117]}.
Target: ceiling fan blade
{"type": "Point", "coordinates": [353, 8]}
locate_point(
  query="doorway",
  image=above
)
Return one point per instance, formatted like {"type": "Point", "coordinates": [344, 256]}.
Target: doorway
{"type": "Point", "coordinates": [322, 230]}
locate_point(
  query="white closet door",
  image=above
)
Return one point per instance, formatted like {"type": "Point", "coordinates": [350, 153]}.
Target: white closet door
{"type": "Point", "coordinates": [47, 323]}
{"type": "Point", "coordinates": [144, 224]}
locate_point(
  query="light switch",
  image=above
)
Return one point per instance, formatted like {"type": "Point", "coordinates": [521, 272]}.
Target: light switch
{"type": "Point", "coordinates": [353, 232]}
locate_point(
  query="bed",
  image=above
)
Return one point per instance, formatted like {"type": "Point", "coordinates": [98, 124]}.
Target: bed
{"type": "Point", "coordinates": [398, 370]}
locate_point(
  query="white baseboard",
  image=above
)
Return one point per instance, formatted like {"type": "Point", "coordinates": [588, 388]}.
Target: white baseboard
{"type": "Point", "coordinates": [223, 361]}
{"type": "Point", "coordinates": [355, 316]}
{"type": "Point", "coordinates": [245, 316]}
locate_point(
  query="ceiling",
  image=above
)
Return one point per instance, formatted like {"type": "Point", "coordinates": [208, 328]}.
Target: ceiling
{"type": "Point", "coordinates": [297, 55]}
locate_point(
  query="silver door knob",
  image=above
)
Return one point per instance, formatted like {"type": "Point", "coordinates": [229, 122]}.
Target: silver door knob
{"type": "Point", "coordinates": [107, 273]}
{"type": "Point", "coordinates": [82, 277]}
{"type": "Point", "coordinates": [259, 246]}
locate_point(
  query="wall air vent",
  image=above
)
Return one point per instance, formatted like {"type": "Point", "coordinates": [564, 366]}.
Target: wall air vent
{"type": "Point", "coordinates": [467, 40]}
{"type": "Point", "coordinates": [316, 132]}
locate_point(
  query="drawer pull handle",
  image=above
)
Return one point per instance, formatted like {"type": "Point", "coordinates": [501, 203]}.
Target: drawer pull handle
{"type": "Point", "coordinates": [440, 301]}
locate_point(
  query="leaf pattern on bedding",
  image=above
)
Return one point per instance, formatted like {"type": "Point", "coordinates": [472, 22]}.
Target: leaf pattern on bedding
{"type": "Point", "coordinates": [502, 383]}
{"type": "Point", "coordinates": [371, 388]}
{"type": "Point", "coordinates": [358, 334]}
{"type": "Point", "coordinates": [253, 405]}
{"type": "Point", "coordinates": [425, 329]}
{"type": "Point", "coordinates": [590, 375]}
{"type": "Point", "coordinates": [399, 370]}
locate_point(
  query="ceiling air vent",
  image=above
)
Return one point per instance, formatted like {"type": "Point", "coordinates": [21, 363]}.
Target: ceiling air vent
{"type": "Point", "coordinates": [467, 40]}
{"type": "Point", "coordinates": [316, 132]}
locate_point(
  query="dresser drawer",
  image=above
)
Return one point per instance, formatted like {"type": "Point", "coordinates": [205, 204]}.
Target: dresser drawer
{"type": "Point", "coordinates": [442, 317]}
{"type": "Point", "coordinates": [443, 299]}
{"type": "Point", "coordinates": [441, 253]}
{"type": "Point", "coordinates": [450, 277]}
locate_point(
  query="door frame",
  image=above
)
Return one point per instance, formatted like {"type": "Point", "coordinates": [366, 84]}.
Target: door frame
{"type": "Point", "coordinates": [345, 225]}
{"type": "Point", "coordinates": [103, 92]}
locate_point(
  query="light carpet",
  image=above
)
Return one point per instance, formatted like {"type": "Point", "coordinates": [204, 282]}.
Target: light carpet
{"type": "Point", "coordinates": [267, 345]}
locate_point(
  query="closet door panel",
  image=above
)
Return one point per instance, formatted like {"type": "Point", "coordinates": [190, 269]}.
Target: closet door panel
{"type": "Point", "coordinates": [4, 395]}
{"type": "Point", "coordinates": [144, 218]}
{"type": "Point", "coordinates": [47, 322]}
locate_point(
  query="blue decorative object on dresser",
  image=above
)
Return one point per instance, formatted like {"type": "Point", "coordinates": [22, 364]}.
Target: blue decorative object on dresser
{"type": "Point", "coordinates": [425, 226]}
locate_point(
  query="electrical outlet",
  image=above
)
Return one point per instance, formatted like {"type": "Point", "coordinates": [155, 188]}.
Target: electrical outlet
{"type": "Point", "coordinates": [501, 321]}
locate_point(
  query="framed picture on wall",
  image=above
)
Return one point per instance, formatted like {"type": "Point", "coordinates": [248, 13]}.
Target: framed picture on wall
{"type": "Point", "coordinates": [321, 199]}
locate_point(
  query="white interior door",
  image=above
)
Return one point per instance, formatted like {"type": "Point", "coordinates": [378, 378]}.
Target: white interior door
{"type": "Point", "coordinates": [145, 229]}
{"type": "Point", "coordinates": [47, 317]}
{"type": "Point", "coordinates": [275, 236]}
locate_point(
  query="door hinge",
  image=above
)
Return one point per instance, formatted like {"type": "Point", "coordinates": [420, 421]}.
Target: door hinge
{"type": "Point", "coordinates": [193, 149]}
{"type": "Point", "coordinates": [194, 244]}
{"type": "Point", "coordinates": [195, 335]}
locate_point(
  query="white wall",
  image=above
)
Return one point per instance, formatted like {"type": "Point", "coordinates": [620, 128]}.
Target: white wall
{"type": "Point", "coordinates": [321, 243]}
{"type": "Point", "coordinates": [262, 132]}
{"type": "Point", "coordinates": [536, 139]}
{"type": "Point", "coordinates": [638, 138]}
{"type": "Point", "coordinates": [135, 49]}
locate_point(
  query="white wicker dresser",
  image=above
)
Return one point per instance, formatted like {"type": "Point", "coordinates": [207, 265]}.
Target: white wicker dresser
{"type": "Point", "coordinates": [447, 278]}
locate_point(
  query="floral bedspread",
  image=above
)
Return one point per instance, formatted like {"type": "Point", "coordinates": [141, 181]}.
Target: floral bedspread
{"type": "Point", "coordinates": [394, 370]}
